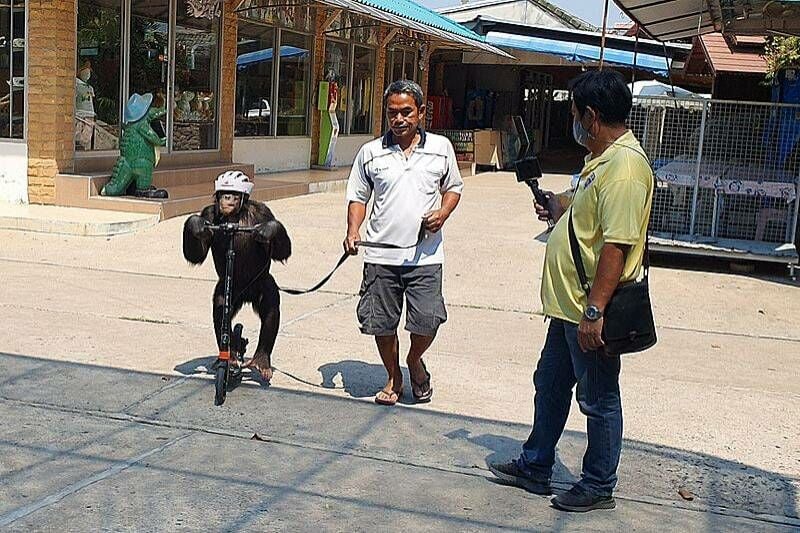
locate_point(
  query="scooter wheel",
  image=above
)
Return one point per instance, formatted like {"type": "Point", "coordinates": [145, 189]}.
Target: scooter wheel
{"type": "Point", "coordinates": [220, 383]}
{"type": "Point", "coordinates": [236, 342]}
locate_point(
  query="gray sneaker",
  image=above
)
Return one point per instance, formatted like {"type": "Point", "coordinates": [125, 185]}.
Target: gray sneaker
{"type": "Point", "coordinates": [579, 500]}
{"type": "Point", "coordinates": [511, 474]}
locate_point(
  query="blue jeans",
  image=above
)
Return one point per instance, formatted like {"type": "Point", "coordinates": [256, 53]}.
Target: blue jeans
{"type": "Point", "coordinates": [561, 366]}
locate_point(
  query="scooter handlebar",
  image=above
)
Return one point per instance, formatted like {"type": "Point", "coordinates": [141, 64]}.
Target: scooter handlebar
{"type": "Point", "coordinates": [230, 227]}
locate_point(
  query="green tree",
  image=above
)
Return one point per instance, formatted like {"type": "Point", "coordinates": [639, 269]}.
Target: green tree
{"type": "Point", "coordinates": [780, 53]}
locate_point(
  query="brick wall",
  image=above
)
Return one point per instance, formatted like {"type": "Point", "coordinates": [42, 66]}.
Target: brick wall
{"type": "Point", "coordinates": [227, 86]}
{"type": "Point", "coordinates": [51, 94]}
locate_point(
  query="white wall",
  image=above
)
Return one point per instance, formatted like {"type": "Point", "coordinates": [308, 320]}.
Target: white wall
{"type": "Point", "coordinates": [14, 172]}
{"type": "Point", "coordinates": [347, 147]}
{"type": "Point", "coordinates": [271, 154]}
{"type": "Point", "coordinates": [279, 154]}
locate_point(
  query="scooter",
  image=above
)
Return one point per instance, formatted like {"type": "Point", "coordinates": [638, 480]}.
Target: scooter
{"type": "Point", "coordinates": [232, 344]}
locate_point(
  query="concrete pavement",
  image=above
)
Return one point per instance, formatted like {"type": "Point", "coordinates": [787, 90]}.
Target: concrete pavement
{"type": "Point", "coordinates": [106, 339]}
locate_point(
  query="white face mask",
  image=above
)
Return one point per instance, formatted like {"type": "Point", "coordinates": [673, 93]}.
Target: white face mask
{"type": "Point", "coordinates": [85, 74]}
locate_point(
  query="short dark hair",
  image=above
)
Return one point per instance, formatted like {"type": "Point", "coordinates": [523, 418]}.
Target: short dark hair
{"type": "Point", "coordinates": [606, 92]}
{"type": "Point", "coordinates": [405, 87]}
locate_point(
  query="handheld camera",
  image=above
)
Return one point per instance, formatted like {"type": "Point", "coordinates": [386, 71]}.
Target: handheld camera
{"type": "Point", "coordinates": [528, 169]}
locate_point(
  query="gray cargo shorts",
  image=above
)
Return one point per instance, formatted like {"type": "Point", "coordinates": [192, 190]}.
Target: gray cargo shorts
{"type": "Point", "coordinates": [381, 302]}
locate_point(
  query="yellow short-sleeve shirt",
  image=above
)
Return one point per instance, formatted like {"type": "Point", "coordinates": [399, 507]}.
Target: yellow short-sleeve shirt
{"type": "Point", "coordinates": [611, 204]}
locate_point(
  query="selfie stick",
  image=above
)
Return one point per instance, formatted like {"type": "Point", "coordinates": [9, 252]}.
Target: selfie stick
{"type": "Point", "coordinates": [528, 170]}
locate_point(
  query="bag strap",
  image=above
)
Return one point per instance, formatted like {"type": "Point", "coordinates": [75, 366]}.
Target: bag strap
{"type": "Point", "coordinates": [576, 256]}
{"type": "Point", "coordinates": [576, 249]}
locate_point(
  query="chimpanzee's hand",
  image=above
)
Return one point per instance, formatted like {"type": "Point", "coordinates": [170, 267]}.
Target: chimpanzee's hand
{"type": "Point", "coordinates": [266, 232]}
{"type": "Point", "coordinates": [197, 226]}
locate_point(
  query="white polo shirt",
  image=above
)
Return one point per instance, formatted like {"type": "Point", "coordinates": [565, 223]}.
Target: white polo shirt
{"type": "Point", "coordinates": [404, 190]}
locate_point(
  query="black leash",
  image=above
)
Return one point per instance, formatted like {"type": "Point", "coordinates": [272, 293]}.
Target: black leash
{"type": "Point", "coordinates": [365, 244]}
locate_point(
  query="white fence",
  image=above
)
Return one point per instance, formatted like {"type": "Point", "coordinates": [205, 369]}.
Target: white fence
{"type": "Point", "coordinates": [727, 174]}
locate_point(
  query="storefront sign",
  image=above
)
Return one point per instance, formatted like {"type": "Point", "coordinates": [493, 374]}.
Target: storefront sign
{"type": "Point", "coordinates": [208, 9]}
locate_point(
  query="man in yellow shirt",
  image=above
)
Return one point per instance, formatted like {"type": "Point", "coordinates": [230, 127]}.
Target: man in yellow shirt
{"type": "Point", "coordinates": [610, 210]}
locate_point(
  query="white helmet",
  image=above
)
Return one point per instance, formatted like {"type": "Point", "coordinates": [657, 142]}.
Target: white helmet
{"type": "Point", "coordinates": [234, 181]}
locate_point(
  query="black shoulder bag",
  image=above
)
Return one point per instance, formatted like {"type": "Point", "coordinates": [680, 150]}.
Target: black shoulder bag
{"type": "Point", "coordinates": [628, 325]}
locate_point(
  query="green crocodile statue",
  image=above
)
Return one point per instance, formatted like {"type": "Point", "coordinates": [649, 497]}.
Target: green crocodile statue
{"type": "Point", "coordinates": [138, 151]}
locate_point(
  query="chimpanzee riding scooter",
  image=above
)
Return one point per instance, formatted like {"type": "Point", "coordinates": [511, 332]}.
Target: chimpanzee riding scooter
{"type": "Point", "coordinates": [228, 373]}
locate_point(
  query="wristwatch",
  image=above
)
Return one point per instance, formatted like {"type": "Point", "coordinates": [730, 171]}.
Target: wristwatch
{"type": "Point", "coordinates": [592, 313]}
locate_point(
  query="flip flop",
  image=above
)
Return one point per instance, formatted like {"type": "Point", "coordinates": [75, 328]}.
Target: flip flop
{"type": "Point", "coordinates": [393, 397]}
{"type": "Point", "coordinates": [425, 386]}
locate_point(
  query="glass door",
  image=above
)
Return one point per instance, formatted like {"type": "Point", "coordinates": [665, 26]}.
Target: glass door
{"type": "Point", "coordinates": [196, 52]}
{"type": "Point", "coordinates": [148, 53]}
{"type": "Point", "coordinates": [173, 53]}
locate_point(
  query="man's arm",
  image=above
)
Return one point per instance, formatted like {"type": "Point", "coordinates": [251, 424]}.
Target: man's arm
{"type": "Point", "coordinates": [609, 272]}
{"type": "Point", "coordinates": [435, 219]}
{"type": "Point", "coordinates": [356, 213]}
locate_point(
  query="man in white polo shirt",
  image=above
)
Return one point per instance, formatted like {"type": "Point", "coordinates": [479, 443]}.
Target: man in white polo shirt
{"type": "Point", "coordinates": [415, 184]}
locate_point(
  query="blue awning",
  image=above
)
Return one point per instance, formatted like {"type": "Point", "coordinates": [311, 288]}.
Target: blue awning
{"type": "Point", "coordinates": [266, 55]}
{"type": "Point", "coordinates": [578, 52]}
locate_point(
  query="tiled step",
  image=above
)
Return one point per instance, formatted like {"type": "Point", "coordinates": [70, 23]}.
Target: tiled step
{"type": "Point", "coordinates": [191, 188]}
{"type": "Point", "coordinates": [183, 199]}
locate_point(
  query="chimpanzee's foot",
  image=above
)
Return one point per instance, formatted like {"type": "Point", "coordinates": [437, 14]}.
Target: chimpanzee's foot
{"type": "Point", "coordinates": [262, 365]}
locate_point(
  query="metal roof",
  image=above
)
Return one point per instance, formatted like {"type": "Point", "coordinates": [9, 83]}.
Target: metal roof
{"type": "Point", "coordinates": [724, 56]}
{"type": "Point", "coordinates": [567, 18]}
{"type": "Point", "coordinates": [676, 19]}
{"type": "Point", "coordinates": [581, 53]}
{"type": "Point", "coordinates": [483, 25]}
{"type": "Point", "coordinates": [409, 14]}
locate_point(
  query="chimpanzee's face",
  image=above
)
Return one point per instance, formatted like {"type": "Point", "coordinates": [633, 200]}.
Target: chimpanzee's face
{"type": "Point", "coordinates": [229, 202]}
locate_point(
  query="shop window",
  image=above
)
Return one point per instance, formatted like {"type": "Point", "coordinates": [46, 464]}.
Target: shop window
{"type": "Point", "coordinates": [410, 68]}
{"type": "Point", "coordinates": [194, 122]}
{"type": "Point", "coordinates": [363, 76]}
{"type": "Point", "coordinates": [254, 80]}
{"type": "Point", "coordinates": [97, 75]}
{"type": "Point", "coordinates": [401, 65]}
{"type": "Point", "coordinates": [148, 64]}
{"type": "Point", "coordinates": [12, 69]}
{"type": "Point", "coordinates": [337, 69]}
{"type": "Point", "coordinates": [294, 78]}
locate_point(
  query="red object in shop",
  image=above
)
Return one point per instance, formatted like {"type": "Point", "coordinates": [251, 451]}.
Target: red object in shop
{"type": "Point", "coordinates": [439, 113]}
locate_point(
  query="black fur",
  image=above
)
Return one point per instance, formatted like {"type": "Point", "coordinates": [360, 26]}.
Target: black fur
{"type": "Point", "coordinates": [251, 265]}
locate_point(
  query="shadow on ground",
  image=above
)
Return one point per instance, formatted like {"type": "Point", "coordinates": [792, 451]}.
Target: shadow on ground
{"type": "Point", "coordinates": [362, 380]}
{"type": "Point", "coordinates": [345, 428]}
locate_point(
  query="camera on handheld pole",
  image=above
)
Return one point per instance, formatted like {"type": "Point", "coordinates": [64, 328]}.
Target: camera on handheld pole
{"type": "Point", "coordinates": [528, 169]}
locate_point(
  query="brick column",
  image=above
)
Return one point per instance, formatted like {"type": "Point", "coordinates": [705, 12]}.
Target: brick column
{"type": "Point", "coordinates": [50, 80]}
{"type": "Point", "coordinates": [380, 82]}
{"type": "Point", "coordinates": [227, 85]}
{"type": "Point", "coordinates": [317, 73]}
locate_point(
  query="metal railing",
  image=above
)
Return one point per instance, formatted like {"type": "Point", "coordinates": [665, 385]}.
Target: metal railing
{"type": "Point", "coordinates": [725, 170]}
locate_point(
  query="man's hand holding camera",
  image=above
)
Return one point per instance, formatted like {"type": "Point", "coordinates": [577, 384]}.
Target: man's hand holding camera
{"type": "Point", "coordinates": [553, 210]}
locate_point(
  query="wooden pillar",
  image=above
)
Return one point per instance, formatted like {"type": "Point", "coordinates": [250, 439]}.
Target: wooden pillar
{"type": "Point", "coordinates": [380, 81]}
{"type": "Point", "coordinates": [227, 85]}
{"type": "Point", "coordinates": [50, 79]}
{"type": "Point", "coordinates": [423, 80]}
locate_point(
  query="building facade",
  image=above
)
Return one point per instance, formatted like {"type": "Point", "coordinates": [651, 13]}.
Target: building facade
{"type": "Point", "coordinates": [239, 79]}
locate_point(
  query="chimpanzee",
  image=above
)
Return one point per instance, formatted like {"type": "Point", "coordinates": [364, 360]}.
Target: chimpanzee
{"type": "Point", "coordinates": [254, 251]}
